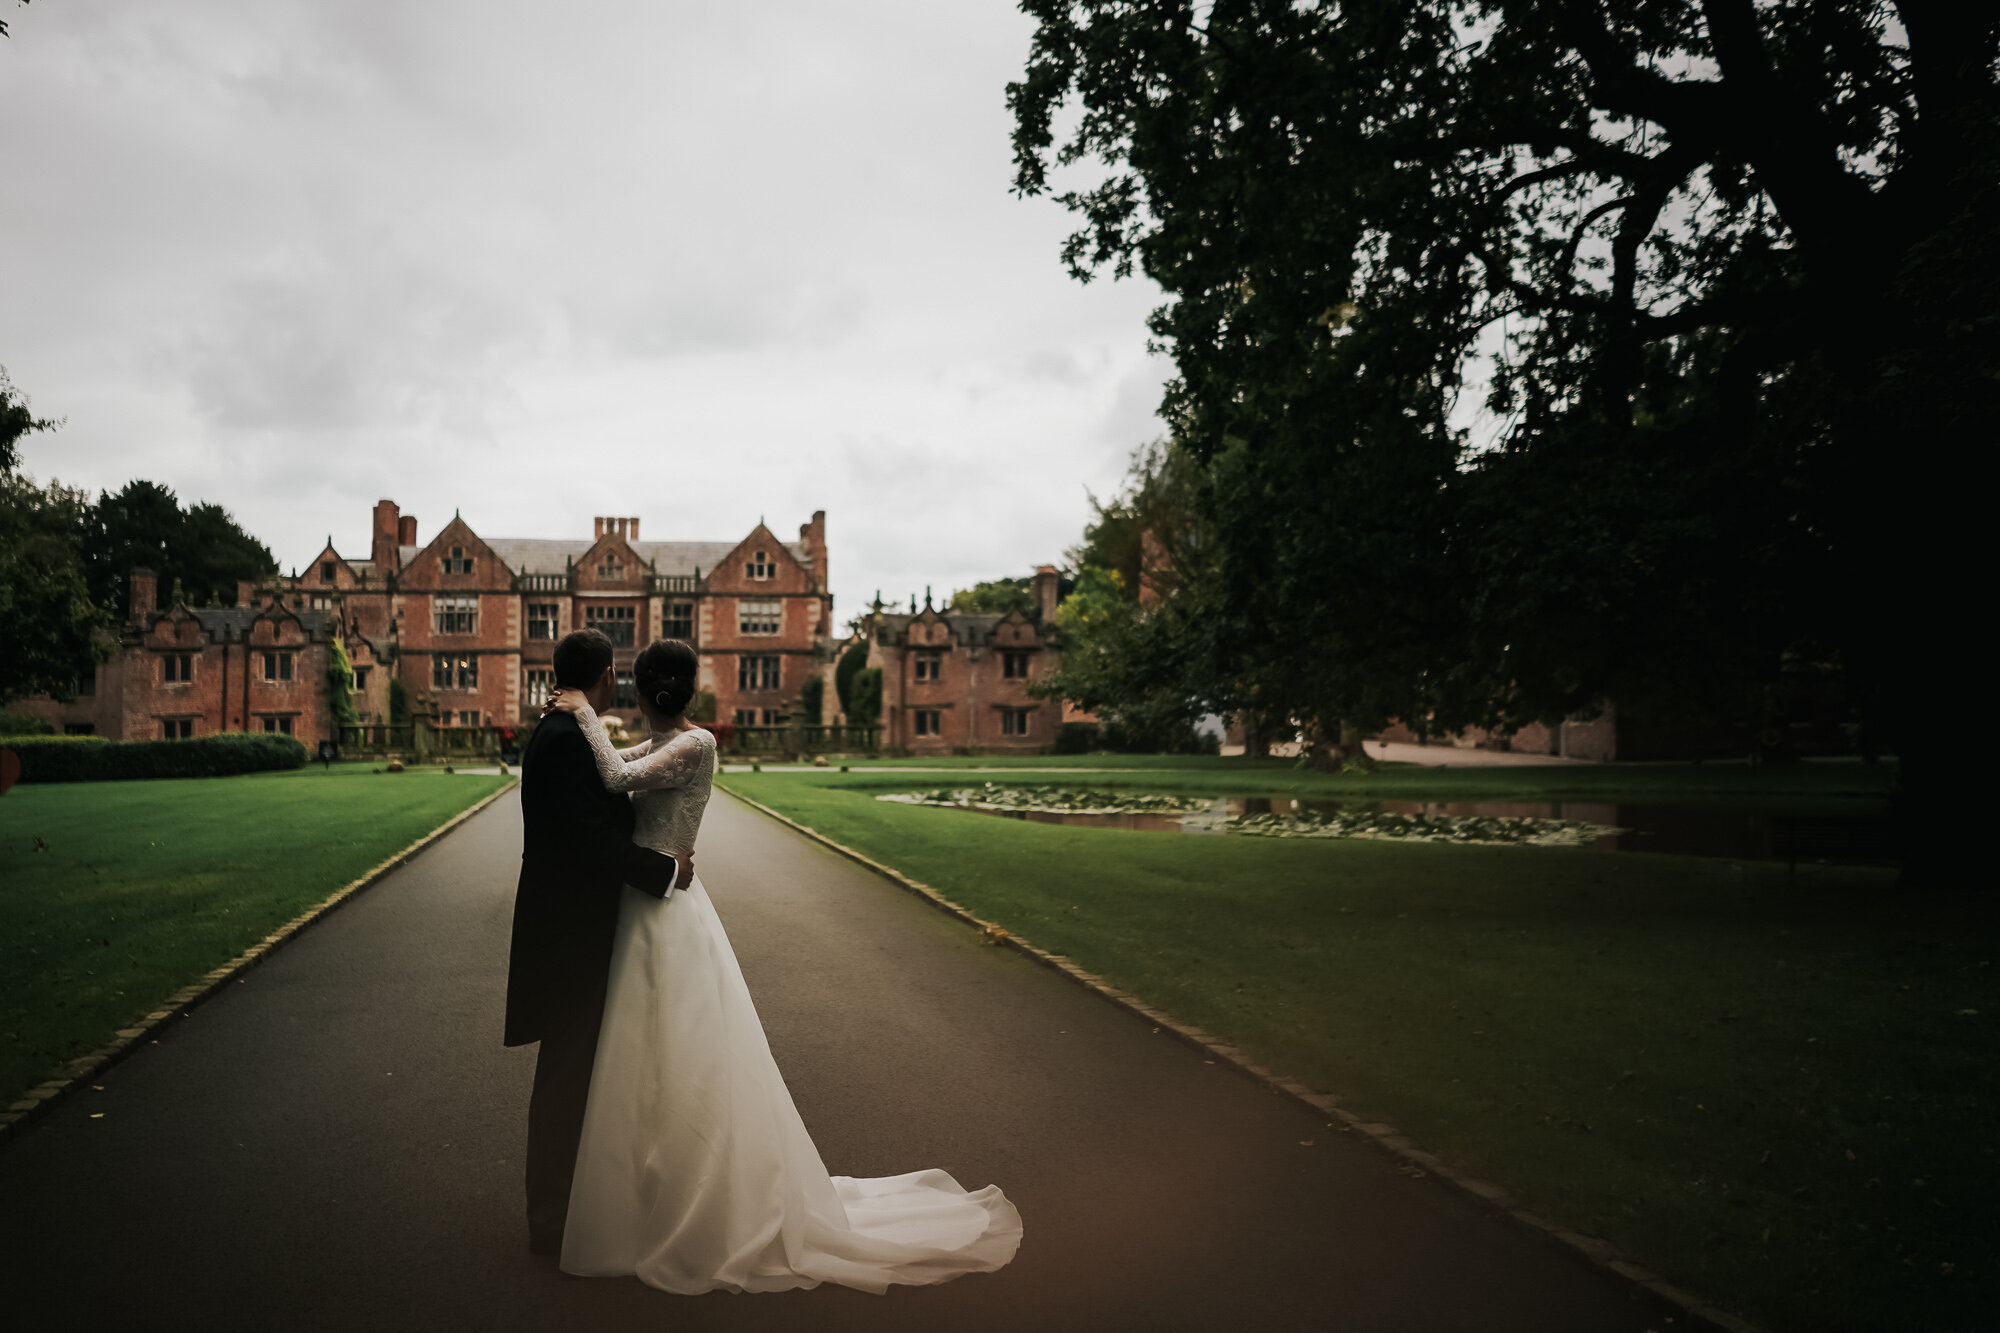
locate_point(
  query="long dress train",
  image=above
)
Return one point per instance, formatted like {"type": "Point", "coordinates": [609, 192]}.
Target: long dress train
{"type": "Point", "coordinates": [695, 1172]}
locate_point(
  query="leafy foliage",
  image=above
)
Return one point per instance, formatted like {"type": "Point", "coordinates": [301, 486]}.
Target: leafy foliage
{"type": "Point", "coordinates": [864, 707]}
{"type": "Point", "coordinates": [340, 685]}
{"type": "Point", "coordinates": [1731, 287]}
{"type": "Point", "coordinates": [996, 597]}
{"type": "Point", "coordinates": [812, 699]}
{"type": "Point", "coordinates": [52, 626]}
{"type": "Point", "coordinates": [24, 724]}
{"type": "Point", "coordinates": [143, 526]}
{"type": "Point", "coordinates": [851, 661]}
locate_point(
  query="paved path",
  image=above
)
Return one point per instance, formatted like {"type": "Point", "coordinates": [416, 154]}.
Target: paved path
{"type": "Point", "coordinates": [335, 1142]}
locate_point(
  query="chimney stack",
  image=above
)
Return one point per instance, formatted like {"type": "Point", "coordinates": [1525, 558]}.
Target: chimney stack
{"type": "Point", "coordinates": [382, 542]}
{"type": "Point", "coordinates": [406, 531]}
{"type": "Point", "coordinates": [598, 523]}
{"type": "Point", "coordinates": [143, 587]}
{"type": "Point", "coordinates": [634, 522]}
{"type": "Point", "coordinates": [1045, 586]}
{"type": "Point", "coordinates": [813, 534]}
{"type": "Point", "coordinates": [246, 592]}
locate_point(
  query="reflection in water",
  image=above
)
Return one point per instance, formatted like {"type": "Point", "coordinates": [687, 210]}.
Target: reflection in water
{"type": "Point", "coordinates": [1735, 833]}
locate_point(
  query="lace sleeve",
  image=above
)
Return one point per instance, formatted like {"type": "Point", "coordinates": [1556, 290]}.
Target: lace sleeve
{"type": "Point", "coordinates": [675, 764]}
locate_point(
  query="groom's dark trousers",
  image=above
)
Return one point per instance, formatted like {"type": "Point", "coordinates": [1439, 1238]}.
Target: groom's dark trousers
{"type": "Point", "coordinates": [576, 855]}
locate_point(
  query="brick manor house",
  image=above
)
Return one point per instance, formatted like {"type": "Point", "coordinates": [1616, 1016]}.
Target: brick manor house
{"type": "Point", "coordinates": [954, 680]}
{"type": "Point", "coordinates": [469, 624]}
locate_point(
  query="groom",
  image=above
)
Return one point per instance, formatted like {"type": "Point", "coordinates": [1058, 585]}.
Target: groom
{"type": "Point", "coordinates": [577, 852]}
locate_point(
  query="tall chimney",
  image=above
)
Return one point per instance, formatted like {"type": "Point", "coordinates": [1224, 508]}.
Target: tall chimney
{"type": "Point", "coordinates": [813, 534]}
{"type": "Point", "coordinates": [1045, 593]}
{"type": "Point", "coordinates": [382, 542]}
{"type": "Point", "coordinates": [406, 531]}
{"type": "Point", "coordinates": [246, 592]}
{"type": "Point", "coordinates": [143, 588]}
{"type": "Point", "coordinates": [598, 524]}
{"type": "Point", "coordinates": [634, 521]}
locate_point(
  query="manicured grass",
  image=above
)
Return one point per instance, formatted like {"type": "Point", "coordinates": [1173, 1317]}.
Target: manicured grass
{"type": "Point", "coordinates": [147, 885]}
{"type": "Point", "coordinates": [1775, 1096]}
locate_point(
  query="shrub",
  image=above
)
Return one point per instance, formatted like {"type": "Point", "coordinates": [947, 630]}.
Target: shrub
{"type": "Point", "coordinates": [1076, 738]}
{"type": "Point", "coordinates": [701, 708]}
{"type": "Point", "coordinates": [851, 661]}
{"type": "Point", "coordinates": [95, 759]}
{"type": "Point", "coordinates": [21, 724]}
{"type": "Point", "coordinates": [864, 697]}
{"type": "Point", "coordinates": [812, 698]}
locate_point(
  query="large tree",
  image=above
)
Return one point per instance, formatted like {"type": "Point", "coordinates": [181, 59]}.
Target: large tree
{"type": "Point", "coordinates": [142, 526]}
{"type": "Point", "coordinates": [51, 623]}
{"type": "Point", "coordinates": [1728, 271]}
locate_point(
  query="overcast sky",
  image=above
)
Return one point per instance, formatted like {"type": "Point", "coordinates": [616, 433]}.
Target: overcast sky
{"type": "Point", "coordinates": [699, 263]}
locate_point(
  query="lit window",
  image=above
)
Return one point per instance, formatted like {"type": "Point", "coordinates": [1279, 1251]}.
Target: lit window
{"type": "Point", "coordinates": [758, 673]}
{"type": "Point", "coordinates": [929, 665]}
{"type": "Point", "coordinates": [277, 666]}
{"type": "Point", "coordinates": [680, 621]}
{"type": "Point", "coordinates": [927, 722]}
{"type": "Point", "coordinates": [616, 623]}
{"type": "Point", "coordinates": [542, 619]}
{"type": "Point", "coordinates": [628, 691]}
{"type": "Point", "coordinates": [539, 682]}
{"type": "Point", "coordinates": [458, 562]}
{"type": "Point", "coordinates": [177, 667]}
{"type": "Point", "coordinates": [450, 672]}
{"type": "Point", "coordinates": [760, 567]}
{"type": "Point", "coordinates": [176, 728]}
{"type": "Point", "coordinates": [1014, 666]}
{"type": "Point", "coordinates": [1014, 721]}
{"type": "Point", "coordinates": [455, 615]}
{"type": "Point", "coordinates": [759, 617]}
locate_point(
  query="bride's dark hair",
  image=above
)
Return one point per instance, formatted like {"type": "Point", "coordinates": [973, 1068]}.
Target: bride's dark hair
{"type": "Point", "coordinates": [664, 673]}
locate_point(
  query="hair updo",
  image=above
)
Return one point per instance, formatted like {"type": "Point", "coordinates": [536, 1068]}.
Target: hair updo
{"type": "Point", "coordinates": [664, 673]}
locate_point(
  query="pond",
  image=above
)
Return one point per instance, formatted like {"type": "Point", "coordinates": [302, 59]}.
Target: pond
{"type": "Point", "coordinates": [1732, 832]}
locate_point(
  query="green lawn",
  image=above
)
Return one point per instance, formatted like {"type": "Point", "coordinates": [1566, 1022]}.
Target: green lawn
{"type": "Point", "coordinates": [145, 886]}
{"type": "Point", "coordinates": [1775, 1096]}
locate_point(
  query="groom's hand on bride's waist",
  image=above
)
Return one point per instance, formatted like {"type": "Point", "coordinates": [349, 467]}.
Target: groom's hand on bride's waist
{"type": "Point", "coordinates": [649, 872]}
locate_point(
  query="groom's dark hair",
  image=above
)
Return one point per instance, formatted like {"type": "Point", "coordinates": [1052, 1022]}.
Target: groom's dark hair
{"type": "Point", "coordinates": [581, 658]}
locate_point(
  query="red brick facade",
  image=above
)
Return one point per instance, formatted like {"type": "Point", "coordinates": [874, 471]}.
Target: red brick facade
{"type": "Point", "coordinates": [194, 671]}
{"type": "Point", "coordinates": [953, 681]}
{"type": "Point", "coordinates": [468, 626]}
{"type": "Point", "coordinates": [471, 624]}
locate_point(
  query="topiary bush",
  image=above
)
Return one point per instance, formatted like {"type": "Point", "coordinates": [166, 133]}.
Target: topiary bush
{"type": "Point", "coordinates": [95, 759]}
{"type": "Point", "coordinates": [21, 724]}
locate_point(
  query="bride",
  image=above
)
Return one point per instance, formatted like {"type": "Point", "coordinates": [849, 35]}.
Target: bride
{"type": "Point", "coordinates": [694, 1171]}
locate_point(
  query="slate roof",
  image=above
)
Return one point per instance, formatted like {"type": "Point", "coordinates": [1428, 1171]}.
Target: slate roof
{"type": "Point", "coordinates": [971, 628]}
{"type": "Point", "coordinates": [234, 622]}
{"type": "Point", "coordinates": [537, 555]}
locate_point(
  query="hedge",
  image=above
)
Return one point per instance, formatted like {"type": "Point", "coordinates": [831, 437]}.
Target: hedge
{"type": "Point", "coordinates": [95, 759]}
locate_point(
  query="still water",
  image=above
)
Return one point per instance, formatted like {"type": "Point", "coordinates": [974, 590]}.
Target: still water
{"type": "Point", "coordinates": [1736, 833]}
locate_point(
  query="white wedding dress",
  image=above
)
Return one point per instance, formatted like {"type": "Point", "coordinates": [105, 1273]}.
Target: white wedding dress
{"type": "Point", "coordinates": [694, 1172]}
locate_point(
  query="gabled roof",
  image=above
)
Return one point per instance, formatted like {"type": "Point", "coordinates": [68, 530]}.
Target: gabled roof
{"type": "Point", "coordinates": [537, 555]}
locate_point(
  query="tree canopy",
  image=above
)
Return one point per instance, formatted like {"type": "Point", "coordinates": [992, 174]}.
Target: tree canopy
{"type": "Point", "coordinates": [997, 596]}
{"type": "Point", "coordinates": [1722, 276]}
{"type": "Point", "coordinates": [143, 526]}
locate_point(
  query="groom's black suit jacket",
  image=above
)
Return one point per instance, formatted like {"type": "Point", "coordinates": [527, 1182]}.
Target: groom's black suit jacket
{"type": "Point", "coordinates": [576, 852]}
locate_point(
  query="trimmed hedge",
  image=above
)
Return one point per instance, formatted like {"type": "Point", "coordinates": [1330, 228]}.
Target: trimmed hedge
{"type": "Point", "coordinates": [95, 759]}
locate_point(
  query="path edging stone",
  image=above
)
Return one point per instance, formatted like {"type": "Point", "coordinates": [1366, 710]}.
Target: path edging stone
{"type": "Point", "coordinates": [38, 1101]}
{"type": "Point", "coordinates": [1597, 1252]}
